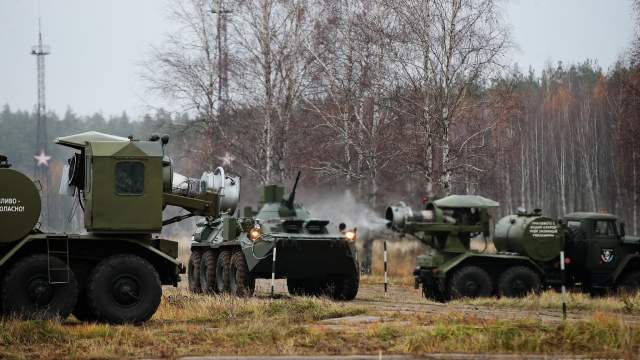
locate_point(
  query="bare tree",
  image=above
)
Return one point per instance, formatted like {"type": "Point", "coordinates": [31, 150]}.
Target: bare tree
{"type": "Point", "coordinates": [268, 37]}
{"type": "Point", "coordinates": [444, 47]}
{"type": "Point", "coordinates": [184, 69]}
{"type": "Point", "coordinates": [350, 71]}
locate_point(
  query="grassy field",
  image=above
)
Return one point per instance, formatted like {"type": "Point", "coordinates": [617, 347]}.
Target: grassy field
{"type": "Point", "coordinates": [403, 323]}
{"type": "Point", "coordinates": [189, 324]}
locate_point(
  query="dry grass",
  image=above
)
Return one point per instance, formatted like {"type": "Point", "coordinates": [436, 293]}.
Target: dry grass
{"type": "Point", "coordinates": [189, 324]}
{"type": "Point", "coordinates": [629, 304]}
{"type": "Point", "coordinates": [401, 257]}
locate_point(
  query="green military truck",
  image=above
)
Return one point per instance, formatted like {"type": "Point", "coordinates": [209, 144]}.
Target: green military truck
{"type": "Point", "coordinates": [229, 253]}
{"type": "Point", "coordinates": [599, 257]}
{"type": "Point", "coordinates": [114, 271]}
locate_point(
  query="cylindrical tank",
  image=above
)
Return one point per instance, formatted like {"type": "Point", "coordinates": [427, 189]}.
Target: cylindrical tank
{"type": "Point", "coordinates": [19, 205]}
{"type": "Point", "coordinates": [537, 237]}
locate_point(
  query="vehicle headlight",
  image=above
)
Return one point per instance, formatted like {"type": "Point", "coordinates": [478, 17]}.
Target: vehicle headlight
{"type": "Point", "coordinates": [255, 233]}
{"type": "Point", "coordinates": [350, 235]}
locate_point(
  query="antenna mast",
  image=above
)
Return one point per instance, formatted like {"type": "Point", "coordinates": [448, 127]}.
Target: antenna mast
{"type": "Point", "coordinates": [41, 166]}
{"type": "Point", "coordinates": [223, 57]}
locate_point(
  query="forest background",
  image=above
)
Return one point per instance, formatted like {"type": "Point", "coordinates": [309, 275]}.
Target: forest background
{"type": "Point", "coordinates": [374, 101]}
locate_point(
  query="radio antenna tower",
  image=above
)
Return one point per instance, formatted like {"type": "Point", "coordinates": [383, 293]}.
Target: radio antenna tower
{"type": "Point", "coordinates": [41, 165]}
{"type": "Point", "coordinates": [223, 57]}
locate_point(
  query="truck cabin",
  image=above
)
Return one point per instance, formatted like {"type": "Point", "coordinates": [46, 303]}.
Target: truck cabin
{"type": "Point", "coordinates": [594, 225]}
{"type": "Point", "coordinates": [594, 242]}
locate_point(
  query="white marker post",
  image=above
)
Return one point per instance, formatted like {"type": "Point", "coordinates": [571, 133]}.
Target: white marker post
{"type": "Point", "coordinates": [385, 267]}
{"type": "Point", "coordinates": [273, 270]}
{"type": "Point", "coordinates": [564, 288]}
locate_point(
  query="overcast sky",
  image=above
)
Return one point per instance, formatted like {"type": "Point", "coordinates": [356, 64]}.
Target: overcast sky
{"type": "Point", "coordinates": [97, 46]}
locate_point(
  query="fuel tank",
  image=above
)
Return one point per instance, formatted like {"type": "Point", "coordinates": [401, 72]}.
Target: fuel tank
{"type": "Point", "coordinates": [532, 235]}
{"type": "Point", "coordinates": [19, 205]}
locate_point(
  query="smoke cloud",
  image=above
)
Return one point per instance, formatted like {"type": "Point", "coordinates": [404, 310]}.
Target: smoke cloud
{"type": "Point", "coordinates": [344, 207]}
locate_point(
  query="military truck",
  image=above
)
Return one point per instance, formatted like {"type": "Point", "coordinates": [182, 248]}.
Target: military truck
{"type": "Point", "coordinates": [599, 257]}
{"type": "Point", "coordinates": [113, 272]}
{"type": "Point", "coordinates": [229, 253]}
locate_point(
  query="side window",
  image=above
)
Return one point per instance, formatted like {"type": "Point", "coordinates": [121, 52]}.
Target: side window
{"type": "Point", "coordinates": [604, 228]}
{"type": "Point", "coordinates": [573, 225]}
{"type": "Point", "coordinates": [129, 178]}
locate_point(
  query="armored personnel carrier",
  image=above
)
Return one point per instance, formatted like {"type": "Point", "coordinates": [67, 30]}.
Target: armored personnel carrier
{"type": "Point", "coordinates": [599, 256]}
{"type": "Point", "coordinates": [280, 240]}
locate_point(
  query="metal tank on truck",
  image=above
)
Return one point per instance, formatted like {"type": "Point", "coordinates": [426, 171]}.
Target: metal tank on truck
{"type": "Point", "coordinates": [528, 247]}
{"type": "Point", "coordinates": [229, 253]}
{"type": "Point", "coordinates": [114, 271]}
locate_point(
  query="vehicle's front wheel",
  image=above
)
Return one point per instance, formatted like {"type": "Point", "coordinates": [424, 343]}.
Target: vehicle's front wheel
{"type": "Point", "coordinates": [241, 283]}
{"type": "Point", "coordinates": [124, 289]}
{"type": "Point", "coordinates": [345, 286]}
{"type": "Point", "coordinates": [28, 293]}
{"type": "Point", "coordinates": [518, 281]}
{"type": "Point", "coordinates": [470, 282]}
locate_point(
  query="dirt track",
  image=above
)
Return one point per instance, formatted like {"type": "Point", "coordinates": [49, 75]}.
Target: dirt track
{"type": "Point", "coordinates": [405, 300]}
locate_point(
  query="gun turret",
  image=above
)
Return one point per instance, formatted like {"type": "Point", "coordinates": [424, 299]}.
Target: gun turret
{"type": "Point", "coordinates": [292, 194]}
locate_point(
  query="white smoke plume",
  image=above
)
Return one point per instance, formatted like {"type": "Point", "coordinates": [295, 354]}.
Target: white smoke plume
{"type": "Point", "coordinates": [344, 208]}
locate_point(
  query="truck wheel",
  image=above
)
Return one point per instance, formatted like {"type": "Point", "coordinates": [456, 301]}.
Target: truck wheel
{"type": "Point", "coordinates": [518, 281]}
{"type": "Point", "coordinates": [124, 289]}
{"type": "Point", "coordinates": [470, 282]}
{"type": "Point", "coordinates": [432, 292]}
{"type": "Point", "coordinates": [27, 293]}
{"type": "Point", "coordinates": [222, 271]}
{"type": "Point", "coordinates": [630, 284]}
{"type": "Point", "coordinates": [345, 287]}
{"type": "Point", "coordinates": [208, 272]}
{"type": "Point", "coordinates": [193, 271]}
{"type": "Point", "coordinates": [241, 283]}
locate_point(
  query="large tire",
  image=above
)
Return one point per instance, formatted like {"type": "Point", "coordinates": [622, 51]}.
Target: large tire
{"type": "Point", "coordinates": [241, 283]}
{"type": "Point", "coordinates": [518, 281]}
{"type": "Point", "coordinates": [124, 289]}
{"type": "Point", "coordinates": [208, 272]}
{"type": "Point", "coordinates": [27, 293]}
{"type": "Point", "coordinates": [630, 284]}
{"type": "Point", "coordinates": [432, 292]}
{"type": "Point", "coordinates": [223, 265]}
{"type": "Point", "coordinates": [345, 286]}
{"type": "Point", "coordinates": [470, 282]}
{"type": "Point", "coordinates": [193, 271]}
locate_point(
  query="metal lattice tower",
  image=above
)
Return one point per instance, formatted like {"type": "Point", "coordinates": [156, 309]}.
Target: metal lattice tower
{"type": "Point", "coordinates": [223, 57]}
{"type": "Point", "coordinates": [41, 172]}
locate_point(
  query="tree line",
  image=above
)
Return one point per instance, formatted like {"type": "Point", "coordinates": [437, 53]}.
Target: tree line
{"type": "Point", "coordinates": [388, 99]}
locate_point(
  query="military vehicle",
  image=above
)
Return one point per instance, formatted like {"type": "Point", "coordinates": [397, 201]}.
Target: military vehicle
{"type": "Point", "coordinates": [114, 271]}
{"type": "Point", "coordinates": [599, 257]}
{"type": "Point", "coordinates": [228, 253]}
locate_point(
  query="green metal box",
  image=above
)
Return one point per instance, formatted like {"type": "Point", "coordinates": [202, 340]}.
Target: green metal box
{"type": "Point", "coordinates": [123, 188]}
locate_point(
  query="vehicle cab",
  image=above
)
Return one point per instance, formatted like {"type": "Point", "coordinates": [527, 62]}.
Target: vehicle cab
{"type": "Point", "coordinates": [597, 247]}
